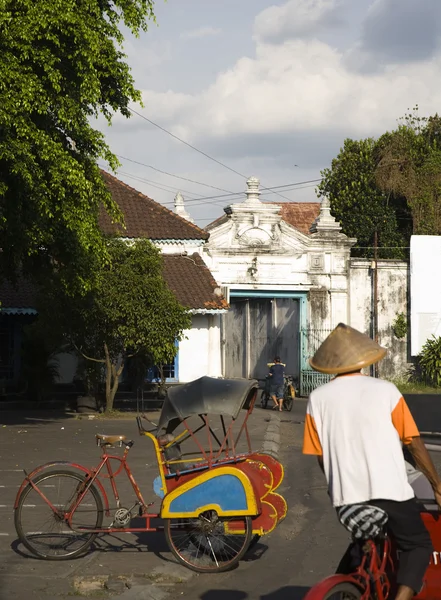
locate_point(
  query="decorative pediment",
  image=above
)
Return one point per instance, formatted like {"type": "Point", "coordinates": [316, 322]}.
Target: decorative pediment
{"type": "Point", "coordinates": [254, 236]}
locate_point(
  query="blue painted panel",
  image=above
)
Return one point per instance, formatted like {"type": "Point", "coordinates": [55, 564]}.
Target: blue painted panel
{"type": "Point", "coordinates": [225, 490]}
{"type": "Point", "coordinates": [157, 487]}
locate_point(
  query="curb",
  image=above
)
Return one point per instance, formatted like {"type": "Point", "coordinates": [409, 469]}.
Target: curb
{"type": "Point", "coordinates": [271, 444]}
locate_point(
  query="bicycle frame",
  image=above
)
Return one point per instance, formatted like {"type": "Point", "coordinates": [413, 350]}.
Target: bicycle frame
{"type": "Point", "coordinates": [370, 577]}
{"type": "Point", "coordinates": [92, 477]}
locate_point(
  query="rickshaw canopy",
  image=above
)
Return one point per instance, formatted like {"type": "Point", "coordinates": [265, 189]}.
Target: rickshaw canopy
{"type": "Point", "coordinates": [206, 396]}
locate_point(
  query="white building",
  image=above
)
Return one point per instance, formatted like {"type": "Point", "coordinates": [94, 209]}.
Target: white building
{"type": "Point", "coordinates": [290, 282]}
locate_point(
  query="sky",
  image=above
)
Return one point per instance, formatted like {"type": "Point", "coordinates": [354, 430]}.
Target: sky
{"type": "Point", "coordinates": [270, 89]}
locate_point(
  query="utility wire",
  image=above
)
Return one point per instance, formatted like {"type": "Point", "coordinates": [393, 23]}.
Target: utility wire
{"type": "Point", "coordinates": [164, 187]}
{"type": "Point", "coordinates": [136, 162]}
{"type": "Point", "coordinates": [186, 143]}
{"type": "Point", "coordinates": [204, 201]}
{"type": "Point", "coordinates": [196, 149]}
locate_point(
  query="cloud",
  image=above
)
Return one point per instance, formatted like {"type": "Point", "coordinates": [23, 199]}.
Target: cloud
{"type": "Point", "coordinates": [397, 31]}
{"type": "Point", "coordinates": [296, 19]}
{"type": "Point", "coordinates": [201, 32]}
{"type": "Point", "coordinates": [297, 86]}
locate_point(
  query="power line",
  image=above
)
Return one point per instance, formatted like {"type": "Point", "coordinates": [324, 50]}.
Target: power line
{"type": "Point", "coordinates": [160, 186]}
{"type": "Point", "coordinates": [186, 143]}
{"type": "Point", "coordinates": [268, 190]}
{"type": "Point", "coordinates": [136, 162]}
{"type": "Point", "coordinates": [213, 200]}
{"type": "Point", "coordinates": [195, 149]}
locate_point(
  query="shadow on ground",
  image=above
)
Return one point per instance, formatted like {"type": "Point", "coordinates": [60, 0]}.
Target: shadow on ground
{"type": "Point", "coordinates": [289, 592]}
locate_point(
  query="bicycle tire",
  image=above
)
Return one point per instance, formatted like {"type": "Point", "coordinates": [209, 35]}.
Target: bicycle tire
{"type": "Point", "coordinates": [288, 404]}
{"type": "Point", "coordinates": [264, 399]}
{"type": "Point", "coordinates": [345, 590]}
{"type": "Point", "coordinates": [26, 538]}
{"type": "Point", "coordinates": [184, 557]}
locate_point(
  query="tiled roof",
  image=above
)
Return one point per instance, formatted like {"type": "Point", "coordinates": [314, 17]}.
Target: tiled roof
{"type": "Point", "coordinates": [188, 277]}
{"type": "Point", "coordinates": [145, 218]}
{"type": "Point", "coordinates": [300, 215]}
{"type": "Point", "coordinates": [191, 281]}
{"type": "Point", "coordinates": [21, 296]}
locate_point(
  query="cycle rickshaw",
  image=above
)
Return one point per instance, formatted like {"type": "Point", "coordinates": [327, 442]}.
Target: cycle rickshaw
{"type": "Point", "coordinates": [216, 498]}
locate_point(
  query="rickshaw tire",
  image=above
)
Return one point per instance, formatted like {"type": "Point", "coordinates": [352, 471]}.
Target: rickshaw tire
{"type": "Point", "coordinates": [17, 515]}
{"type": "Point", "coordinates": [350, 591]}
{"type": "Point", "coordinates": [230, 565]}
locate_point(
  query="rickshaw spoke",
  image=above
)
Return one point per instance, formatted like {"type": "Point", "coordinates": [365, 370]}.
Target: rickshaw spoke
{"type": "Point", "coordinates": [208, 544]}
{"type": "Point", "coordinates": [212, 551]}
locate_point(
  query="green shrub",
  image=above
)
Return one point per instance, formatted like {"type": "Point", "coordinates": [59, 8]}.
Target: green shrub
{"type": "Point", "coordinates": [399, 326]}
{"type": "Point", "coordinates": [430, 360]}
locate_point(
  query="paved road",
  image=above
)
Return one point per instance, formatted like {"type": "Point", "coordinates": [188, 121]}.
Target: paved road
{"type": "Point", "coordinates": [30, 440]}
{"type": "Point", "coordinates": [303, 549]}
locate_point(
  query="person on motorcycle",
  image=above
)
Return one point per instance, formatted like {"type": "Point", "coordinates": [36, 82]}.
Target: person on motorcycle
{"type": "Point", "coordinates": [356, 426]}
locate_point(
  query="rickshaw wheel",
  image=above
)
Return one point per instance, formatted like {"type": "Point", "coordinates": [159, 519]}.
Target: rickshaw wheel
{"type": "Point", "coordinates": [206, 544]}
{"type": "Point", "coordinates": [264, 399]}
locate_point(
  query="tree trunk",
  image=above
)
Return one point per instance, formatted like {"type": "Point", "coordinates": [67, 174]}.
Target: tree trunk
{"type": "Point", "coordinates": [113, 374]}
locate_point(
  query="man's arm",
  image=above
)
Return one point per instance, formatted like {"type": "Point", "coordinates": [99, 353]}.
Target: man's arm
{"type": "Point", "coordinates": [425, 464]}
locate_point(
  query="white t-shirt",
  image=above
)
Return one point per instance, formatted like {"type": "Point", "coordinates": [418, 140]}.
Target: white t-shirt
{"type": "Point", "coordinates": [357, 424]}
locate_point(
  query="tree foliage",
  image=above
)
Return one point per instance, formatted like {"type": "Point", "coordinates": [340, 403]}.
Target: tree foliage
{"type": "Point", "coordinates": [61, 65]}
{"type": "Point", "coordinates": [359, 204]}
{"type": "Point", "coordinates": [409, 164]}
{"type": "Point", "coordinates": [129, 311]}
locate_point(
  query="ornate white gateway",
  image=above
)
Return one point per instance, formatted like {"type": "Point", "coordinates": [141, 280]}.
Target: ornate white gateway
{"type": "Point", "coordinates": [287, 288]}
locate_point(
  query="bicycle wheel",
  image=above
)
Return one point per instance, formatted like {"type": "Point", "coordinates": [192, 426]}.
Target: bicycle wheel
{"type": "Point", "coordinates": [46, 533]}
{"type": "Point", "coordinates": [343, 591]}
{"type": "Point", "coordinates": [264, 399]}
{"type": "Point", "coordinates": [207, 544]}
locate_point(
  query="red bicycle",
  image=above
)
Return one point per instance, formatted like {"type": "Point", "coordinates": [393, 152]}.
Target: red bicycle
{"type": "Point", "coordinates": [374, 571]}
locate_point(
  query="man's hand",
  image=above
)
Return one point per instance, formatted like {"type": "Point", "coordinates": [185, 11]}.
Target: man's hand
{"type": "Point", "coordinates": [425, 464]}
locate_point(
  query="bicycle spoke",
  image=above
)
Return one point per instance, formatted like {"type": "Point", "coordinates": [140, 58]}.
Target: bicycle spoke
{"type": "Point", "coordinates": [205, 544]}
{"type": "Point", "coordinates": [48, 534]}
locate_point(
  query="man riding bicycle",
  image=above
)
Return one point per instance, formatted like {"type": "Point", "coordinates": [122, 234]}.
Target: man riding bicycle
{"type": "Point", "coordinates": [355, 425]}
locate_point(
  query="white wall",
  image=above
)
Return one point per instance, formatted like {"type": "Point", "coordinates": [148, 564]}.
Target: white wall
{"type": "Point", "coordinates": [200, 353]}
{"type": "Point", "coordinates": [392, 300]}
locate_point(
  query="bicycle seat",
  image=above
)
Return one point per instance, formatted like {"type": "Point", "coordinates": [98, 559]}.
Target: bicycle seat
{"type": "Point", "coordinates": [363, 521]}
{"type": "Point", "coordinates": [109, 440]}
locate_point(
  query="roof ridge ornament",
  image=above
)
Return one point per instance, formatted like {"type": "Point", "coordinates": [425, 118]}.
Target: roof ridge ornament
{"type": "Point", "coordinates": [180, 208]}
{"type": "Point", "coordinates": [253, 191]}
{"type": "Point", "coordinates": [325, 222]}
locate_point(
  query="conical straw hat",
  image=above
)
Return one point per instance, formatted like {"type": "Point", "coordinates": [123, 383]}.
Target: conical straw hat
{"type": "Point", "coordinates": [345, 350]}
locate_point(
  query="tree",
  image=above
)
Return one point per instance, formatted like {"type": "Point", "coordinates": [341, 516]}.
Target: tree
{"type": "Point", "coordinates": [359, 204]}
{"type": "Point", "coordinates": [129, 311]}
{"type": "Point", "coordinates": [409, 164]}
{"type": "Point", "coordinates": [60, 66]}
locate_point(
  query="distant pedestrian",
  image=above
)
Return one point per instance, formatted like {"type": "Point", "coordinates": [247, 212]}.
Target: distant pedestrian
{"type": "Point", "coordinates": [276, 375]}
